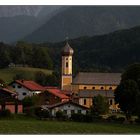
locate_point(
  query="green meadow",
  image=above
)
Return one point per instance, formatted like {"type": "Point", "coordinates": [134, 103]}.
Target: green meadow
{"type": "Point", "coordinates": [33, 126]}
{"type": "Point", "coordinates": [7, 74]}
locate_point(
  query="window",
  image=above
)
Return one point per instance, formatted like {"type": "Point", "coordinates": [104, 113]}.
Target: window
{"type": "Point", "coordinates": [19, 86]}
{"type": "Point", "coordinates": [66, 58]}
{"type": "Point", "coordinates": [110, 88]}
{"type": "Point", "coordinates": [110, 102]}
{"type": "Point", "coordinates": [66, 64]}
{"type": "Point", "coordinates": [93, 87]}
{"type": "Point", "coordinates": [72, 111]}
{"type": "Point", "coordinates": [79, 111]}
{"type": "Point", "coordinates": [85, 87]}
{"type": "Point", "coordinates": [65, 111]}
{"type": "Point", "coordinates": [102, 87]}
{"type": "Point", "coordinates": [85, 101]}
{"type": "Point", "coordinates": [24, 93]}
{"type": "Point", "coordinates": [13, 86]}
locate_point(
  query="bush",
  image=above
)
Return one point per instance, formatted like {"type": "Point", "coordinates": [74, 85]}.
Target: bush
{"type": "Point", "coordinates": [77, 117]}
{"type": "Point", "coordinates": [112, 118]}
{"type": "Point", "coordinates": [97, 118]}
{"type": "Point", "coordinates": [29, 111]}
{"type": "Point", "coordinates": [81, 117]}
{"type": "Point", "coordinates": [60, 114]}
{"type": "Point", "coordinates": [137, 120]}
{"type": "Point", "coordinates": [5, 113]}
{"type": "Point", "coordinates": [42, 113]}
{"type": "Point", "coordinates": [87, 118]}
{"type": "Point", "coordinates": [120, 119]}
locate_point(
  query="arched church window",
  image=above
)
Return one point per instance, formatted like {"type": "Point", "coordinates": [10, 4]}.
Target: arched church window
{"type": "Point", "coordinates": [102, 87]}
{"type": "Point", "coordinates": [85, 87]}
{"type": "Point", "coordinates": [66, 64]}
{"type": "Point", "coordinates": [110, 88]}
{"type": "Point", "coordinates": [85, 101]}
{"type": "Point", "coordinates": [93, 87]}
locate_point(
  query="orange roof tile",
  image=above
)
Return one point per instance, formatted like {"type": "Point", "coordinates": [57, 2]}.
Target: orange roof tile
{"type": "Point", "coordinates": [31, 85]}
{"type": "Point", "coordinates": [59, 93]}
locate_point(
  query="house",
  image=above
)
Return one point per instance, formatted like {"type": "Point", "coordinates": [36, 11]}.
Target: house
{"type": "Point", "coordinates": [86, 85]}
{"type": "Point", "coordinates": [54, 95]}
{"type": "Point", "coordinates": [26, 88]}
{"type": "Point", "coordinates": [8, 100]}
{"type": "Point", "coordinates": [68, 107]}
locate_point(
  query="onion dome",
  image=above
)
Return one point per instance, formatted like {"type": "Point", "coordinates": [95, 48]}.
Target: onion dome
{"type": "Point", "coordinates": [67, 50]}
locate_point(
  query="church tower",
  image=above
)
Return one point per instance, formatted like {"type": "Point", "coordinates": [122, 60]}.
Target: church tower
{"type": "Point", "coordinates": [66, 78]}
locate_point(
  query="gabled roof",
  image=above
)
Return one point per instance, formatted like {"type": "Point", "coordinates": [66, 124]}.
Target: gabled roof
{"type": "Point", "coordinates": [57, 92]}
{"type": "Point", "coordinates": [8, 92]}
{"type": "Point", "coordinates": [31, 85]}
{"type": "Point", "coordinates": [97, 78]}
{"type": "Point", "coordinates": [66, 102]}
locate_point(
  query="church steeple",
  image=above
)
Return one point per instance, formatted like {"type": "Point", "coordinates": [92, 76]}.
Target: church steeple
{"type": "Point", "coordinates": [67, 53]}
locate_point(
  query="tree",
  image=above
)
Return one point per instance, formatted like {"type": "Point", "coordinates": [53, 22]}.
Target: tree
{"type": "Point", "coordinates": [126, 95]}
{"type": "Point", "coordinates": [46, 80]}
{"type": "Point", "coordinates": [51, 80]}
{"type": "Point", "coordinates": [132, 72]}
{"type": "Point", "coordinates": [31, 102]}
{"type": "Point", "coordinates": [41, 58]}
{"type": "Point", "coordinates": [100, 105]}
{"type": "Point", "coordinates": [40, 77]}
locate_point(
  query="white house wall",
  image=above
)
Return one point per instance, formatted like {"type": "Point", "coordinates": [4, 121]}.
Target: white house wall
{"type": "Point", "coordinates": [22, 90]}
{"type": "Point", "coordinates": [69, 108]}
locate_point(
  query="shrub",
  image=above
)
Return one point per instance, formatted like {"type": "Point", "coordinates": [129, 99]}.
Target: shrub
{"type": "Point", "coordinates": [77, 117]}
{"type": "Point", "coordinates": [97, 118]}
{"type": "Point", "coordinates": [5, 113]}
{"type": "Point", "coordinates": [59, 114]}
{"type": "Point", "coordinates": [42, 113]}
{"type": "Point", "coordinates": [81, 117]}
{"type": "Point", "coordinates": [137, 120]}
{"type": "Point", "coordinates": [112, 118]}
{"type": "Point", "coordinates": [87, 118]}
{"type": "Point", "coordinates": [29, 111]}
{"type": "Point", "coordinates": [120, 119]}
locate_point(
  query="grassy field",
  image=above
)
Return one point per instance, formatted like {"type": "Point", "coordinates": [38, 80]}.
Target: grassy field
{"type": "Point", "coordinates": [7, 74]}
{"type": "Point", "coordinates": [32, 126]}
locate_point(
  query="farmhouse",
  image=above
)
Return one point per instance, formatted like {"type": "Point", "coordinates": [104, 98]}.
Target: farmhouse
{"type": "Point", "coordinates": [26, 88]}
{"type": "Point", "coordinates": [8, 100]}
{"type": "Point", "coordinates": [53, 95]}
{"type": "Point", "coordinates": [87, 85]}
{"type": "Point", "coordinates": [68, 107]}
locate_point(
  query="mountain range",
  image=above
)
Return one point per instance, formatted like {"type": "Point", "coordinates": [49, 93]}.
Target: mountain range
{"type": "Point", "coordinates": [18, 21]}
{"type": "Point", "coordinates": [76, 21]}
{"type": "Point", "coordinates": [53, 23]}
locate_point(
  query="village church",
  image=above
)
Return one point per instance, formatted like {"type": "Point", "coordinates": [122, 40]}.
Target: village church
{"type": "Point", "coordinates": [86, 85]}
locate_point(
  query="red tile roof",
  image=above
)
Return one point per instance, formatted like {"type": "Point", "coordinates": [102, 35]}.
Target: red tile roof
{"type": "Point", "coordinates": [9, 91]}
{"type": "Point", "coordinates": [31, 85]}
{"type": "Point", "coordinates": [59, 93]}
{"type": "Point", "coordinates": [50, 87]}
